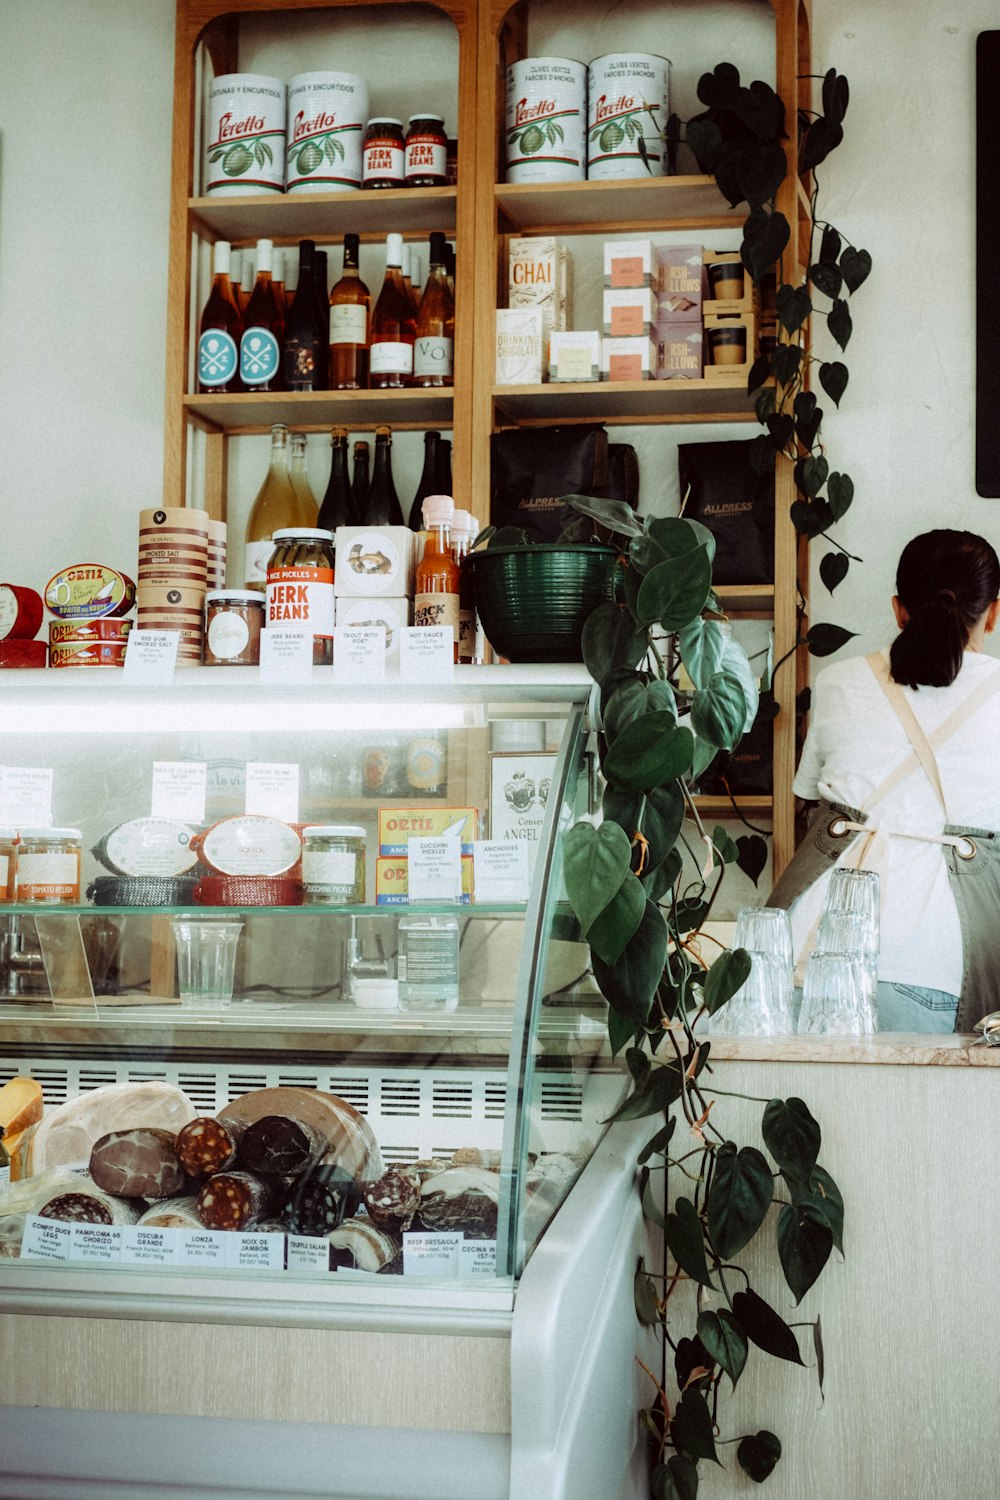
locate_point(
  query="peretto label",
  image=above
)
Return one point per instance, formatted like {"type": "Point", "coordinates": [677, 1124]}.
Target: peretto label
{"type": "Point", "coordinates": [300, 597]}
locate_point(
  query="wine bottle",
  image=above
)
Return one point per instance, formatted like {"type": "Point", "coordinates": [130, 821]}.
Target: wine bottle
{"type": "Point", "coordinates": [321, 278]}
{"type": "Point", "coordinates": [449, 255]}
{"type": "Point", "coordinates": [247, 280]}
{"type": "Point", "coordinates": [338, 502]}
{"type": "Point", "coordinates": [360, 481]}
{"type": "Point", "coordinates": [416, 276]}
{"type": "Point", "coordinates": [435, 336]}
{"type": "Point", "coordinates": [305, 331]}
{"type": "Point", "coordinates": [236, 277]}
{"type": "Point", "coordinates": [437, 583]}
{"type": "Point", "coordinates": [350, 313]}
{"type": "Point", "coordinates": [393, 326]}
{"type": "Point", "coordinates": [278, 280]}
{"type": "Point", "coordinates": [464, 529]}
{"type": "Point", "coordinates": [405, 272]}
{"type": "Point", "coordinates": [264, 323]}
{"type": "Point", "coordinates": [220, 329]}
{"type": "Point", "coordinates": [277, 506]}
{"type": "Point", "coordinates": [383, 508]}
{"type": "Point", "coordinates": [428, 480]}
{"type": "Point", "coordinates": [444, 484]}
{"type": "Point", "coordinates": [300, 479]}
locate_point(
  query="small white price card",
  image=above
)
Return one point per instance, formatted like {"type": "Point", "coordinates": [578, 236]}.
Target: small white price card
{"type": "Point", "coordinates": [142, 1246]}
{"type": "Point", "coordinates": [305, 1253]}
{"type": "Point", "coordinates": [150, 656]}
{"type": "Point", "coordinates": [359, 653]}
{"type": "Point", "coordinates": [286, 656]}
{"type": "Point", "coordinates": [434, 870]}
{"type": "Point", "coordinates": [202, 1247]}
{"type": "Point", "coordinates": [255, 1252]}
{"type": "Point", "coordinates": [273, 790]}
{"type": "Point", "coordinates": [426, 653]}
{"type": "Point", "coordinates": [478, 1258]}
{"type": "Point", "coordinates": [95, 1242]}
{"type": "Point", "coordinates": [179, 790]}
{"type": "Point", "coordinates": [45, 1239]}
{"type": "Point", "coordinates": [26, 796]}
{"type": "Point", "coordinates": [434, 1255]}
{"type": "Point", "coordinates": [501, 870]}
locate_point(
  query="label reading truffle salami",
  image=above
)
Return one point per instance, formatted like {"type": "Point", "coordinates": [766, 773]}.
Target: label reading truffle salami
{"type": "Point", "coordinates": [45, 1239]}
{"type": "Point", "coordinates": [305, 1253]}
{"type": "Point", "coordinates": [95, 1242]}
{"type": "Point", "coordinates": [435, 1255]}
{"type": "Point", "coordinates": [255, 1252]}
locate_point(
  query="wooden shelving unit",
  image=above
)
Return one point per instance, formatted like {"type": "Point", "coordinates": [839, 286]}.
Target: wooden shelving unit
{"type": "Point", "coordinates": [480, 213]}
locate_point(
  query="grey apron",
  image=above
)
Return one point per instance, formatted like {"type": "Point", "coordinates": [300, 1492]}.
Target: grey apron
{"type": "Point", "coordinates": [972, 855]}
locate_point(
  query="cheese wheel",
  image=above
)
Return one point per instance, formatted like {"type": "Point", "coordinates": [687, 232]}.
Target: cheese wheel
{"type": "Point", "coordinates": [352, 1143]}
{"type": "Point", "coordinates": [67, 1135]}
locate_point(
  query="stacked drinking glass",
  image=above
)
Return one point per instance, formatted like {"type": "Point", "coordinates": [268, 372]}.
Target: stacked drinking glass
{"type": "Point", "coordinates": [763, 1005]}
{"type": "Point", "coordinates": [841, 977]}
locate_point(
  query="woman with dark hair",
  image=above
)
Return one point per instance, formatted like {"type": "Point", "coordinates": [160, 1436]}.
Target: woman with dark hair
{"type": "Point", "coordinates": [902, 755]}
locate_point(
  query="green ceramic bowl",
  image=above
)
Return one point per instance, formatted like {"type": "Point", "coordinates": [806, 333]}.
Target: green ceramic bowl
{"type": "Point", "coordinates": [533, 600]}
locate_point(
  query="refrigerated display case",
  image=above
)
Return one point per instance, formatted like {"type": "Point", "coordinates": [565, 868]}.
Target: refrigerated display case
{"type": "Point", "coordinates": [434, 1298]}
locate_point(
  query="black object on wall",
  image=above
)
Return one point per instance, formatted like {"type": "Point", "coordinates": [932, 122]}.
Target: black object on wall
{"type": "Point", "coordinates": [987, 250]}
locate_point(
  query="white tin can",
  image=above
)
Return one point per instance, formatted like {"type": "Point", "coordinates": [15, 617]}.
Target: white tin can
{"type": "Point", "coordinates": [327, 113]}
{"type": "Point", "coordinates": [246, 134]}
{"type": "Point", "coordinates": [628, 103]}
{"type": "Point", "coordinates": [546, 111]}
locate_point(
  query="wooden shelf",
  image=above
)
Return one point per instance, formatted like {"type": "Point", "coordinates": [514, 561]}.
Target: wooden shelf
{"type": "Point", "coordinates": [722, 807]}
{"type": "Point", "coordinates": [637, 203]}
{"type": "Point", "coordinates": [756, 599]}
{"type": "Point", "coordinates": [286, 218]}
{"type": "Point", "coordinates": [625, 401]}
{"type": "Point", "coordinates": [315, 411]}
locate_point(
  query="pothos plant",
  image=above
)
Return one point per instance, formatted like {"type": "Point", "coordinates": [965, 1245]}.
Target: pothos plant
{"type": "Point", "coordinates": [640, 905]}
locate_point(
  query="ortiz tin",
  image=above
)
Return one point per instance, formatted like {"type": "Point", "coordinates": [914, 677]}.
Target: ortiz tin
{"type": "Point", "coordinates": [87, 630]}
{"type": "Point", "coordinates": [89, 591]}
{"type": "Point", "coordinates": [88, 654]}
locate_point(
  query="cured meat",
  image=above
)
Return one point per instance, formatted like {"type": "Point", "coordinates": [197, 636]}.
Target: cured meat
{"type": "Point", "coordinates": [393, 1200]}
{"type": "Point", "coordinates": [205, 1145]}
{"type": "Point", "coordinates": [360, 1246]}
{"type": "Point", "coordinates": [233, 1200]}
{"type": "Point", "coordinates": [280, 1145]}
{"type": "Point", "coordinates": [173, 1213]}
{"type": "Point", "coordinates": [67, 1134]}
{"type": "Point", "coordinates": [319, 1201]}
{"type": "Point", "coordinates": [76, 1208]}
{"type": "Point", "coordinates": [138, 1163]}
{"type": "Point", "coordinates": [350, 1140]}
{"type": "Point", "coordinates": [462, 1198]}
{"type": "Point", "coordinates": [20, 1105]}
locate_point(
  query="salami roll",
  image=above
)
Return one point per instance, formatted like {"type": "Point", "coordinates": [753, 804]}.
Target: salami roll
{"type": "Point", "coordinates": [462, 1198]}
{"type": "Point", "coordinates": [280, 1146]}
{"type": "Point", "coordinates": [360, 1246]}
{"type": "Point", "coordinates": [393, 1200]}
{"type": "Point", "coordinates": [139, 1163]}
{"type": "Point", "coordinates": [205, 1145]}
{"type": "Point", "coordinates": [319, 1201]}
{"type": "Point", "coordinates": [233, 1200]}
{"type": "Point", "coordinates": [350, 1140]}
{"type": "Point", "coordinates": [76, 1208]}
{"type": "Point", "coordinates": [173, 1213]}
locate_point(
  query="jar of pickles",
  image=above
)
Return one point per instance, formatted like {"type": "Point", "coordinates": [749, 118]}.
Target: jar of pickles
{"type": "Point", "coordinates": [48, 866]}
{"type": "Point", "coordinates": [300, 586]}
{"type": "Point", "coordinates": [333, 865]}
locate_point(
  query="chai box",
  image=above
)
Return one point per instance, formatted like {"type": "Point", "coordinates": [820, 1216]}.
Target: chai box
{"type": "Point", "coordinates": [392, 881]}
{"type": "Point", "coordinates": [575, 355]}
{"type": "Point", "coordinates": [397, 825]}
{"type": "Point", "coordinates": [681, 282]}
{"type": "Point", "coordinates": [519, 346]}
{"type": "Point", "coordinates": [630, 263]}
{"type": "Point", "coordinates": [628, 359]}
{"type": "Point", "coordinates": [538, 276]}
{"type": "Point", "coordinates": [679, 350]}
{"type": "Point", "coordinates": [629, 312]}
{"type": "Point", "coordinates": [373, 562]}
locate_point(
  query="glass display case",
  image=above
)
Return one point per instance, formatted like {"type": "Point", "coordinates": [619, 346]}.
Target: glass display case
{"type": "Point", "coordinates": [383, 1120]}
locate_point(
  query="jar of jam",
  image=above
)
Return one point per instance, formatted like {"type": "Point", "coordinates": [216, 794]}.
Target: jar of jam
{"type": "Point", "coordinates": [300, 586]}
{"type": "Point", "coordinates": [8, 865]}
{"type": "Point", "coordinates": [48, 866]}
{"type": "Point", "coordinates": [426, 152]}
{"type": "Point", "coordinates": [234, 619]}
{"type": "Point", "coordinates": [383, 155]}
{"type": "Point", "coordinates": [333, 865]}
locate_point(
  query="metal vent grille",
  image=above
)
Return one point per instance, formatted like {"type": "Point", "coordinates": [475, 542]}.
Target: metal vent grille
{"type": "Point", "coordinates": [562, 1100]}
{"type": "Point", "coordinates": [452, 1099]}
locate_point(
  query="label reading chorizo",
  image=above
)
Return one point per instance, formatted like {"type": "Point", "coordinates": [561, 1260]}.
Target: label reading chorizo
{"type": "Point", "coordinates": [95, 1242]}
{"type": "Point", "coordinates": [300, 597]}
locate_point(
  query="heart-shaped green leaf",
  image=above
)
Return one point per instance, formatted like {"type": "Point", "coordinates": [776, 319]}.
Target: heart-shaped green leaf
{"type": "Point", "coordinates": [840, 494]}
{"type": "Point", "coordinates": [719, 711]}
{"type": "Point", "coordinates": [595, 863]}
{"type": "Point", "coordinates": [741, 1194]}
{"type": "Point", "coordinates": [826, 278]}
{"type": "Point", "coordinates": [836, 94]}
{"type": "Point", "coordinates": [691, 1429]}
{"type": "Point", "coordinates": [833, 377]}
{"type": "Point", "coordinates": [621, 1031]}
{"type": "Point", "coordinates": [792, 1135]}
{"type": "Point", "coordinates": [752, 857]}
{"type": "Point", "coordinates": [686, 1242]}
{"type": "Point", "coordinates": [675, 592]}
{"type": "Point", "coordinates": [765, 236]}
{"type": "Point", "coordinates": [787, 359]}
{"type": "Point", "coordinates": [728, 974]}
{"type": "Point", "coordinates": [614, 514]}
{"type": "Point", "coordinates": [793, 305]}
{"type": "Point", "coordinates": [764, 1327]}
{"type": "Point", "coordinates": [700, 645]}
{"type": "Point", "coordinates": [649, 752]}
{"type": "Point", "coordinates": [630, 985]}
{"type": "Point", "coordinates": [824, 640]}
{"type": "Point", "coordinates": [614, 926]}
{"type": "Point", "coordinates": [632, 698]}
{"type": "Point", "coordinates": [839, 323]}
{"type": "Point", "coordinates": [725, 1341]}
{"type": "Point", "coordinates": [644, 1296]}
{"type": "Point", "coordinates": [856, 266]}
{"type": "Point", "coordinates": [829, 247]}
{"type": "Point", "coordinates": [833, 568]}
{"type": "Point", "coordinates": [805, 1240]}
{"type": "Point", "coordinates": [822, 137]}
{"type": "Point", "coordinates": [610, 640]}
{"type": "Point", "coordinates": [810, 519]}
{"type": "Point", "coordinates": [735, 664]}
{"type": "Point", "coordinates": [758, 1454]}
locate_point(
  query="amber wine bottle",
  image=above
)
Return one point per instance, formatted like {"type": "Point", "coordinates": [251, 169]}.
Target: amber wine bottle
{"type": "Point", "coordinates": [393, 325]}
{"type": "Point", "coordinates": [278, 505]}
{"type": "Point", "coordinates": [435, 337]}
{"type": "Point", "coordinates": [220, 329]}
{"type": "Point", "coordinates": [350, 314]}
{"type": "Point", "coordinates": [300, 478]}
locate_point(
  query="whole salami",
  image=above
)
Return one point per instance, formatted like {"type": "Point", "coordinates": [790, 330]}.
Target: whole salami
{"type": "Point", "coordinates": [205, 1145]}
{"type": "Point", "coordinates": [319, 1201]}
{"type": "Point", "coordinates": [393, 1200]}
{"type": "Point", "coordinates": [280, 1146]}
{"type": "Point", "coordinates": [76, 1208]}
{"type": "Point", "coordinates": [233, 1200]}
{"type": "Point", "coordinates": [139, 1163]}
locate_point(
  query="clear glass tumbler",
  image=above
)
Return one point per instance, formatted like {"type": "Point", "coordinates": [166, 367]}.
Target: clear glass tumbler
{"type": "Point", "coordinates": [206, 960]}
{"type": "Point", "coordinates": [838, 997]}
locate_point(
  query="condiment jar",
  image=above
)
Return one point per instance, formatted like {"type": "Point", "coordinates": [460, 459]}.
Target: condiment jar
{"type": "Point", "coordinates": [333, 865]}
{"type": "Point", "coordinates": [383, 163]}
{"type": "Point", "coordinates": [300, 586]}
{"type": "Point", "coordinates": [234, 619]}
{"type": "Point", "coordinates": [8, 865]}
{"type": "Point", "coordinates": [48, 866]}
{"type": "Point", "coordinates": [426, 152]}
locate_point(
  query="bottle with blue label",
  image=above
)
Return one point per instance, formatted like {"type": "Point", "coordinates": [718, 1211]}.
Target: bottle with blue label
{"type": "Point", "coordinates": [264, 325]}
{"type": "Point", "coordinates": [220, 330]}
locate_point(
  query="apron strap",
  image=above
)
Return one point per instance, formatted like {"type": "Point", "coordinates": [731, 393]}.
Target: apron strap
{"type": "Point", "coordinates": [904, 713]}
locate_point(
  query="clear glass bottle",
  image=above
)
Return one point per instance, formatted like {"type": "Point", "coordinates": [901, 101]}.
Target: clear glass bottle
{"type": "Point", "coordinates": [276, 507]}
{"type": "Point", "coordinates": [263, 328]}
{"type": "Point", "coordinates": [393, 326]}
{"type": "Point", "coordinates": [383, 508]}
{"type": "Point", "coordinates": [428, 484]}
{"type": "Point", "coordinates": [299, 476]}
{"type": "Point", "coordinates": [435, 336]}
{"type": "Point", "coordinates": [220, 329]}
{"type": "Point", "coordinates": [427, 963]}
{"type": "Point", "coordinates": [437, 583]}
{"type": "Point", "coordinates": [338, 502]}
{"type": "Point", "coordinates": [350, 316]}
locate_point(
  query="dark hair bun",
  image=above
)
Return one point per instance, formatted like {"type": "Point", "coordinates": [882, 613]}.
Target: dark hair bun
{"type": "Point", "coordinates": [946, 580]}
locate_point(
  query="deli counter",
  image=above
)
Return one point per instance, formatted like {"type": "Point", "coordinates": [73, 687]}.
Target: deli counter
{"type": "Point", "coordinates": [357, 1226]}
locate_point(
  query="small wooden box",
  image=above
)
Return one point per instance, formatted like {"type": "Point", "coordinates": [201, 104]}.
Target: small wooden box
{"type": "Point", "coordinates": [723, 321]}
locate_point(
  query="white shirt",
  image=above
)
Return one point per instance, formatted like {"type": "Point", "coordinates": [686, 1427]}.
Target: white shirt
{"type": "Point", "coordinates": [855, 742]}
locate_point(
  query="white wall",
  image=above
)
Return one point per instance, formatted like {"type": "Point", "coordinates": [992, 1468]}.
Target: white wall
{"type": "Point", "coordinates": [85, 103]}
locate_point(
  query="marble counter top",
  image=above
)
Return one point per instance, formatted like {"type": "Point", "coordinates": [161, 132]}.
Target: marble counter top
{"type": "Point", "coordinates": [888, 1048]}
